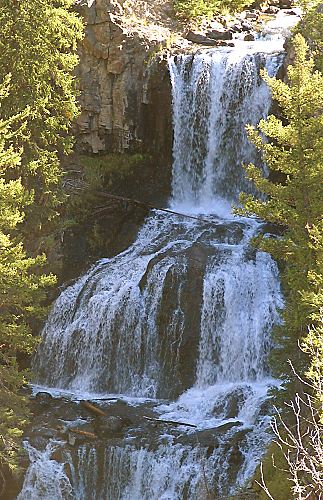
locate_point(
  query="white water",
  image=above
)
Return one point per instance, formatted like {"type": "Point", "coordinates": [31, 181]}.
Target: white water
{"type": "Point", "coordinates": [211, 110]}
{"type": "Point", "coordinates": [185, 314]}
{"type": "Point", "coordinates": [45, 478]}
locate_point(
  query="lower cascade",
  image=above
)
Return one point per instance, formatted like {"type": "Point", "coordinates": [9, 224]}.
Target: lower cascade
{"type": "Point", "coordinates": [173, 334]}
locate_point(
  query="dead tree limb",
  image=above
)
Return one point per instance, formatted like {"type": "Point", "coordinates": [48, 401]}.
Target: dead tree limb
{"type": "Point", "coordinates": [159, 420]}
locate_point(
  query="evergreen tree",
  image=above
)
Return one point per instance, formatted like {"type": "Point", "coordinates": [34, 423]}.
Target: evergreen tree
{"type": "Point", "coordinates": [21, 290]}
{"type": "Point", "coordinates": [38, 47]}
{"type": "Point", "coordinates": [191, 9]}
{"type": "Point", "coordinates": [293, 153]}
{"type": "Point", "coordinates": [311, 28]}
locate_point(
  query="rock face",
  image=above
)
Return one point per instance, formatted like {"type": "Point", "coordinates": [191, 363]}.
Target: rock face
{"type": "Point", "coordinates": [125, 94]}
{"type": "Point", "coordinates": [126, 110]}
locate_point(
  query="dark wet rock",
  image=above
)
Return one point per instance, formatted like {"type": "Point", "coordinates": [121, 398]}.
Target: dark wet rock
{"type": "Point", "coordinates": [266, 408]}
{"type": "Point", "coordinates": [37, 440]}
{"type": "Point", "coordinates": [272, 9]}
{"type": "Point", "coordinates": [219, 408]}
{"type": "Point", "coordinates": [227, 426]}
{"type": "Point", "coordinates": [286, 4]}
{"type": "Point", "coordinates": [246, 26]}
{"type": "Point", "coordinates": [198, 38]}
{"type": "Point", "coordinates": [249, 37]}
{"type": "Point", "coordinates": [250, 253]}
{"type": "Point", "coordinates": [229, 406]}
{"type": "Point", "coordinates": [237, 28]}
{"type": "Point", "coordinates": [272, 229]}
{"type": "Point", "coordinates": [44, 398]}
{"type": "Point", "coordinates": [105, 426]}
{"type": "Point", "coordinates": [219, 35]}
{"type": "Point", "coordinates": [236, 456]}
{"type": "Point", "coordinates": [58, 455]}
{"type": "Point", "coordinates": [238, 437]}
{"type": "Point", "coordinates": [234, 403]}
{"type": "Point", "coordinates": [252, 15]}
{"type": "Point", "coordinates": [208, 437]}
{"type": "Point", "coordinates": [123, 422]}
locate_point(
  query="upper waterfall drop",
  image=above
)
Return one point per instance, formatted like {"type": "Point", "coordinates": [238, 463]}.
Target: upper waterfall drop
{"type": "Point", "coordinates": [216, 93]}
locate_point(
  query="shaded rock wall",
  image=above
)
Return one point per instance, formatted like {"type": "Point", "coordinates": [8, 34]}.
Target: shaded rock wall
{"type": "Point", "coordinates": [126, 108]}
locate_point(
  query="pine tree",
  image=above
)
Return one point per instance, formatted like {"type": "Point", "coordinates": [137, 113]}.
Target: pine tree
{"type": "Point", "coordinates": [21, 289]}
{"type": "Point", "coordinates": [311, 28]}
{"type": "Point", "coordinates": [38, 48]}
{"type": "Point", "coordinates": [293, 151]}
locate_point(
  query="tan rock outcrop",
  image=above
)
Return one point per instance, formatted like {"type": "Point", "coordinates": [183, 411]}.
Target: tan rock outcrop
{"type": "Point", "coordinates": [118, 80]}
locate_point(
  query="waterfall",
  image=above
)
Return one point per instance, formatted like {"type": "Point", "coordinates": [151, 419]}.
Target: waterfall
{"type": "Point", "coordinates": [216, 93]}
{"type": "Point", "coordinates": [184, 315]}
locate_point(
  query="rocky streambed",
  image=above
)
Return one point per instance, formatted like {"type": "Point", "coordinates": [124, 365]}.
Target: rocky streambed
{"type": "Point", "coordinates": [74, 445]}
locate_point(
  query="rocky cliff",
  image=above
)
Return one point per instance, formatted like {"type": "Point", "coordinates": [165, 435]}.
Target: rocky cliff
{"type": "Point", "coordinates": [124, 133]}
{"type": "Point", "coordinates": [126, 110]}
{"type": "Point", "coordinates": [125, 92]}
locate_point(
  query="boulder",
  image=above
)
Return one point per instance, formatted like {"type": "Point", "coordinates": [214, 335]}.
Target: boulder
{"type": "Point", "coordinates": [246, 26]}
{"type": "Point", "coordinates": [198, 38]}
{"type": "Point", "coordinates": [219, 35]}
{"type": "Point", "coordinates": [253, 15]}
{"type": "Point", "coordinates": [215, 25]}
{"type": "Point", "coordinates": [107, 426]}
{"type": "Point", "coordinates": [210, 437]}
{"type": "Point", "coordinates": [43, 398]}
{"type": "Point", "coordinates": [237, 28]}
{"type": "Point", "coordinates": [249, 37]}
{"type": "Point", "coordinates": [272, 9]}
{"type": "Point", "coordinates": [286, 4]}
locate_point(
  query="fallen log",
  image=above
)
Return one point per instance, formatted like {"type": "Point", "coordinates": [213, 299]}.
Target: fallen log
{"type": "Point", "coordinates": [93, 409]}
{"type": "Point", "coordinates": [83, 433]}
{"type": "Point", "coordinates": [107, 399]}
{"type": "Point", "coordinates": [172, 422]}
{"type": "Point", "coordinates": [99, 399]}
{"type": "Point", "coordinates": [139, 203]}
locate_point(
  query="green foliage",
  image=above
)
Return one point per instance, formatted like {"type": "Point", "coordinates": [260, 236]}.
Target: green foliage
{"type": "Point", "coordinates": [21, 290]}
{"type": "Point", "coordinates": [38, 52]}
{"type": "Point", "coordinates": [99, 171]}
{"type": "Point", "coordinates": [275, 474]}
{"type": "Point", "coordinates": [294, 151]}
{"type": "Point", "coordinates": [38, 48]}
{"type": "Point", "coordinates": [192, 9]}
{"type": "Point", "coordinates": [110, 173]}
{"type": "Point", "coordinates": [311, 28]}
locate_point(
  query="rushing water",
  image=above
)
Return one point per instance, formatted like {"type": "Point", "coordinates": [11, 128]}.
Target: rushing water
{"type": "Point", "coordinates": [183, 315]}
